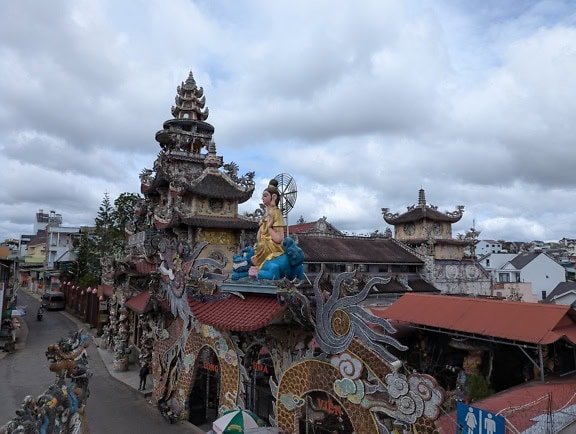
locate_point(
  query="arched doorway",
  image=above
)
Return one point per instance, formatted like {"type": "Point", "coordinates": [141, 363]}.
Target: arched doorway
{"type": "Point", "coordinates": [205, 392]}
{"type": "Point", "coordinates": [257, 395]}
{"type": "Point", "coordinates": [323, 414]}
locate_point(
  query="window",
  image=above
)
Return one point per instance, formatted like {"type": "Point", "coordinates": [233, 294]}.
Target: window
{"type": "Point", "coordinates": [503, 277]}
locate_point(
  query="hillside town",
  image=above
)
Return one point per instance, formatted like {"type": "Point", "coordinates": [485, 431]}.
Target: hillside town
{"type": "Point", "coordinates": [309, 328]}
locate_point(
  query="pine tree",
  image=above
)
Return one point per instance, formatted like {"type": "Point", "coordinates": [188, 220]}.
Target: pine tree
{"type": "Point", "coordinates": [108, 237]}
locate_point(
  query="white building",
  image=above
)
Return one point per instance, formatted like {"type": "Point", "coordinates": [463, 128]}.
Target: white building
{"type": "Point", "coordinates": [484, 247]}
{"type": "Point", "coordinates": [528, 267]}
{"type": "Point", "coordinates": [60, 246]}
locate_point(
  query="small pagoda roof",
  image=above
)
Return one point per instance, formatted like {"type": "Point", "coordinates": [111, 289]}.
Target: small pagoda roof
{"type": "Point", "coordinates": [215, 184]}
{"type": "Point", "coordinates": [422, 211]}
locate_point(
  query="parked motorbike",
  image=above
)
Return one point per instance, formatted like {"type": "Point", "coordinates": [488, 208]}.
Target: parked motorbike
{"type": "Point", "coordinates": [40, 313]}
{"type": "Point", "coordinates": [166, 411]}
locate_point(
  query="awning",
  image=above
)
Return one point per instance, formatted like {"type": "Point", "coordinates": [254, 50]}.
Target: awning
{"type": "Point", "coordinates": [237, 314]}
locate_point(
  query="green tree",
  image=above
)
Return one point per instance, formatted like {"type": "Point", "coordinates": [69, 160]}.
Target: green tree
{"type": "Point", "coordinates": [124, 207]}
{"type": "Point", "coordinates": [106, 239]}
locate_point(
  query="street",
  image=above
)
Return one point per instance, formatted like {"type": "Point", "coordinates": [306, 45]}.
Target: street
{"type": "Point", "coordinates": [113, 407]}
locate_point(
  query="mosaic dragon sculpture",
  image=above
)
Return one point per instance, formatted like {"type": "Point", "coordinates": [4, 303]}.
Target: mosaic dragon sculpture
{"type": "Point", "coordinates": [61, 408]}
{"type": "Point", "coordinates": [349, 336]}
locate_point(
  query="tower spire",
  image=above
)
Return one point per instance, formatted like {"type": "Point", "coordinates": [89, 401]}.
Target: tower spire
{"type": "Point", "coordinates": [421, 198]}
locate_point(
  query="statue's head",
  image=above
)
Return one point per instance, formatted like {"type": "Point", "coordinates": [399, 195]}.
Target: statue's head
{"type": "Point", "coordinates": [293, 252]}
{"type": "Point", "coordinates": [272, 189]}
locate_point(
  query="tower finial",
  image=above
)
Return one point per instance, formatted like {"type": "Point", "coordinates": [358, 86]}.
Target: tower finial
{"type": "Point", "coordinates": [421, 198]}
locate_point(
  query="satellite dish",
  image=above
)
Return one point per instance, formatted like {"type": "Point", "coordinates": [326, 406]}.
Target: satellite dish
{"type": "Point", "coordinates": [288, 193]}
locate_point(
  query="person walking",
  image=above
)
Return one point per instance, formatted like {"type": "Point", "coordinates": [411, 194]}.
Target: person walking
{"type": "Point", "coordinates": [144, 371]}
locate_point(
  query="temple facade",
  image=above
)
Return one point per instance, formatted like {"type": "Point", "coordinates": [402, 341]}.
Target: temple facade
{"type": "Point", "coordinates": [429, 233]}
{"type": "Point", "coordinates": [302, 354]}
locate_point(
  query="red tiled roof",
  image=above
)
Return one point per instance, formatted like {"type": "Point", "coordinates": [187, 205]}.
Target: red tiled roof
{"type": "Point", "coordinates": [233, 313]}
{"type": "Point", "coordinates": [139, 302]}
{"type": "Point", "coordinates": [525, 322]}
{"type": "Point", "coordinates": [108, 290]}
{"type": "Point", "coordinates": [523, 404]}
{"type": "Point", "coordinates": [144, 267]}
{"type": "Point", "coordinates": [301, 228]}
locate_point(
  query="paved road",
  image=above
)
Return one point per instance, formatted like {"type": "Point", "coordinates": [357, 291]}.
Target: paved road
{"type": "Point", "coordinates": [113, 407]}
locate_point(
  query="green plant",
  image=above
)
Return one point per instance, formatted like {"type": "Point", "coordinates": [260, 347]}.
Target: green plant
{"type": "Point", "coordinates": [477, 388]}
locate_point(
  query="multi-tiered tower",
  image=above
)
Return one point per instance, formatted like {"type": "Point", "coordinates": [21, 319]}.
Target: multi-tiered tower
{"type": "Point", "coordinates": [190, 194]}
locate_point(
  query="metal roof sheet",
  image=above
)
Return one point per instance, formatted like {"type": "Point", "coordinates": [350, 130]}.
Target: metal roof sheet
{"type": "Point", "coordinates": [526, 322]}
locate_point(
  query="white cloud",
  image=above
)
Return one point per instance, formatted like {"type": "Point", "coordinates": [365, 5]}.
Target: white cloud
{"type": "Point", "coordinates": [363, 104]}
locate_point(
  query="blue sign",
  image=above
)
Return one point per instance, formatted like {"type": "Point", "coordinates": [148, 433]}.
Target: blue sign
{"type": "Point", "coordinates": [472, 420]}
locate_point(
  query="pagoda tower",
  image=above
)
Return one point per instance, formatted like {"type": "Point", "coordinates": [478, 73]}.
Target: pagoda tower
{"type": "Point", "coordinates": [190, 194]}
{"type": "Point", "coordinates": [429, 233]}
{"type": "Point", "coordinates": [428, 230]}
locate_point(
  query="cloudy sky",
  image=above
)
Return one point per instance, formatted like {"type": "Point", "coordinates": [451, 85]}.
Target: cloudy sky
{"type": "Point", "coordinates": [363, 103]}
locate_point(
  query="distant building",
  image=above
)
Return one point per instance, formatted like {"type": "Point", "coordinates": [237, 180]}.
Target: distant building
{"type": "Point", "coordinates": [429, 232]}
{"type": "Point", "coordinates": [537, 268]}
{"type": "Point", "coordinates": [563, 293]}
{"type": "Point", "coordinates": [42, 254]}
{"type": "Point", "coordinates": [488, 246]}
{"type": "Point", "coordinates": [320, 226]}
{"type": "Point", "coordinates": [44, 220]}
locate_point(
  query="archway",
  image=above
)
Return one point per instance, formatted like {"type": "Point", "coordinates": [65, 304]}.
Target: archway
{"type": "Point", "coordinates": [257, 394]}
{"type": "Point", "coordinates": [205, 392]}
{"type": "Point", "coordinates": [322, 413]}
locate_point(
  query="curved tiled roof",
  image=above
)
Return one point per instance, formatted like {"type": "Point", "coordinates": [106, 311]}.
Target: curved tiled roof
{"type": "Point", "coordinates": [350, 249]}
{"type": "Point", "coordinates": [139, 302]}
{"type": "Point", "coordinates": [237, 314]}
{"type": "Point", "coordinates": [420, 213]}
{"type": "Point", "coordinates": [215, 185]}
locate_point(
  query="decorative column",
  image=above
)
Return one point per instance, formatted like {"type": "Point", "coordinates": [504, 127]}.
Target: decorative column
{"type": "Point", "coordinates": [122, 334]}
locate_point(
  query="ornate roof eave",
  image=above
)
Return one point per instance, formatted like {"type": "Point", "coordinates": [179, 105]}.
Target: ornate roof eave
{"type": "Point", "coordinates": [421, 213]}
{"type": "Point", "coordinates": [453, 242]}
{"type": "Point", "coordinates": [214, 183]}
{"type": "Point", "coordinates": [218, 222]}
{"type": "Point", "coordinates": [152, 185]}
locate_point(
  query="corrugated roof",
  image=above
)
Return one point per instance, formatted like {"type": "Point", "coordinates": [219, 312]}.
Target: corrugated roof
{"type": "Point", "coordinates": [350, 250]}
{"type": "Point", "coordinates": [525, 322]}
{"type": "Point", "coordinates": [237, 314]}
{"type": "Point", "coordinates": [524, 406]}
